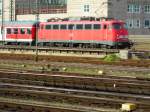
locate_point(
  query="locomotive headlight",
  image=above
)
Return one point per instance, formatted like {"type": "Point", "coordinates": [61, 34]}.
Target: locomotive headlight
{"type": "Point", "coordinates": [123, 36]}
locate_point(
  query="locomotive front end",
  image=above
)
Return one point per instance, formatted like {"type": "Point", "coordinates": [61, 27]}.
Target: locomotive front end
{"type": "Point", "coordinates": [121, 35]}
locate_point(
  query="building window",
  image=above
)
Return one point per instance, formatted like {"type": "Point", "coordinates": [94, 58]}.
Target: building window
{"type": "Point", "coordinates": [43, 6]}
{"type": "Point", "coordinates": [130, 8]}
{"type": "Point", "coordinates": [130, 23]}
{"type": "Point", "coordinates": [147, 23]}
{"type": "Point", "coordinates": [136, 23]}
{"type": "Point", "coordinates": [133, 23]}
{"type": "Point", "coordinates": [86, 8]}
{"type": "Point", "coordinates": [134, 8]}
{"type": "Point", "coordinates": [147, 8]}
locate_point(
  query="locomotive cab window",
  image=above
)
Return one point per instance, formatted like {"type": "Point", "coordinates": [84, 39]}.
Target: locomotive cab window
{"type": "Point", "coordinates": [116, 26]}
{"type": "Point", "coordinates": [88, 26]}
{"type": "Point", "coordinates": [8, 31]}
{"type": "Point", "coordinates": [97, 26]}
{"type": "Point", "coordinates": [63, 27]}
{"type": "Point", "coordinates": [79, 26]}
{"type": "Point", "coordinates": [22, 31]}
{"type": "Point", "coordinates": [55, 27]}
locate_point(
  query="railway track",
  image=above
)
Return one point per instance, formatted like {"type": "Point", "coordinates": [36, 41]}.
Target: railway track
{"type": "Point", "coordinates": [80, 52]}
{"type": "Point", "coordinates": [13, 89]}
{"type": "Point", "coordinates": [45, 91]}
{"type": "Point", "coordinates": [55, 50]}
{"type": "Point", "coordinates": [18, 105]}
{"type": "Point", "coordinates": [104, 83]}
{"type": "Point", "coordinates": [75, 97]}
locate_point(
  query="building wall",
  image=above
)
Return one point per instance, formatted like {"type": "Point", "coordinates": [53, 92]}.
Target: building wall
{"type": "Point", "coordinates": [141, 16]}
{"type": "Point", "coordinates": [0, 8]}
{"type": "Point", "coordinates": [75, 8]}
{"type": "Point", "coordinates": [117, 9]}
{"type": "Point", "coordinates": [5, 10]}
{"type": "Point", "coordinates": [97, 8]}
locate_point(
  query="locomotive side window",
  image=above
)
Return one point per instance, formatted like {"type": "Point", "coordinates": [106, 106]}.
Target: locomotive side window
{"type": "Point", "coordinates": [8, 31]}
{"type": "Point", "coordinates": [22, 31]}
{"type": "Point", "coordinates": [71, 26]}
{"type": "Point", "coordinates": [15, 31]}
{"type": "Point", "coordinates": [97, 26]}
{"type": "Point", "coordinates": [79, 26]}
{"type": "Point", "coordinates": [88, 26]}
{"type": "Point", "coordinates": [116, 26]}
{"type": "Point", "coordinates": [55, 27]}
{"type": "Point", "coordinates": [63, 27]}
{"type": "Point", "coordinates": [48, 27]}
{"type": "Point", "coordinates": [28, 31]}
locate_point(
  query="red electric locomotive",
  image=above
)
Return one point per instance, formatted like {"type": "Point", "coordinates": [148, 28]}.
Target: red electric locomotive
{"type": "Point", "coordinates": [110, 33]}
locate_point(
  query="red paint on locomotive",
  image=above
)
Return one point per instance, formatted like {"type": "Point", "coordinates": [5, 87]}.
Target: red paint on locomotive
{"type": "Point", "coordinates": [106, 32]}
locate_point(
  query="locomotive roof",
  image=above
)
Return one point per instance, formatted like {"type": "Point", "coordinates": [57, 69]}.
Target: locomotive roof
{"type": "Point", "coordinates": [83, 22]}
{"type": "Point", "coordinates": [18, 23]}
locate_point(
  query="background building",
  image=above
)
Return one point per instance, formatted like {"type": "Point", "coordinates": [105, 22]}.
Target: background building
{"type": "Point", "coordinates": [136, 13]}
{"type": "Point", "coordinates": [0, 8]}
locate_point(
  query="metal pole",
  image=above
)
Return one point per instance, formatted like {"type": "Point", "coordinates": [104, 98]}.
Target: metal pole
{"type": "Point", "coordinates": [37, 25]}
{"type": "Point", "coordinates": [2, 28]}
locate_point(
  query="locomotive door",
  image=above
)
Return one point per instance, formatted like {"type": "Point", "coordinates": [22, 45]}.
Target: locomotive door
{"type": "Point", "coordinates": [105, 32]}
{"type": "Point", "coordinates": [71, 28]}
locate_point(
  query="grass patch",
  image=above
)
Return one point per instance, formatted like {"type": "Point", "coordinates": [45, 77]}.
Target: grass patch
{"type": "Point", "coordinates": [111, 58]}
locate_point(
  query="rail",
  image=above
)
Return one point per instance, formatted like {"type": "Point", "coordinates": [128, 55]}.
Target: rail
{"type": "Point", "coordinates": [59, 50]}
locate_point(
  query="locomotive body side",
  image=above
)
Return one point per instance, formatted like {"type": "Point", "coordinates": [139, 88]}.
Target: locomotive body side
{"type": "Point", "coordinates": [104, 33]}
